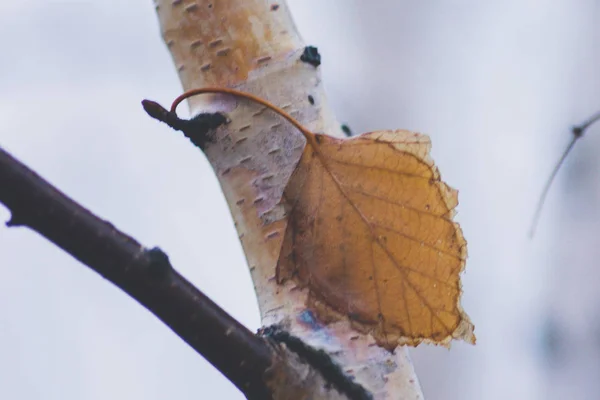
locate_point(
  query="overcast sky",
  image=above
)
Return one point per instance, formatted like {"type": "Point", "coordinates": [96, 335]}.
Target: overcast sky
{"type": "Point", "coordinates": [495, 84]}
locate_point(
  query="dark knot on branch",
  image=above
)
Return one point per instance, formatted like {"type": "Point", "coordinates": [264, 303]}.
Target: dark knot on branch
{"type": "Point", "coordinates": [200, 129]}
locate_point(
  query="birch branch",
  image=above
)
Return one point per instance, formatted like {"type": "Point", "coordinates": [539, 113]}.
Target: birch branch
{"type": "Point", "coordinates": [253, 46]}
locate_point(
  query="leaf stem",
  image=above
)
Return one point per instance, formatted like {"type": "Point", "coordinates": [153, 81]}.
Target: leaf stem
{"type": "Point", "coordinates": [210, 89]}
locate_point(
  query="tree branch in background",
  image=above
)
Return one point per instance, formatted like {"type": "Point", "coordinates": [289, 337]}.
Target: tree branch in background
{"type": "Point", "coordinates": [144, 274]}
{"type": "Point", "coordinates": [259, 367]}
{"type": "Point", "coordinates": [577, 132]}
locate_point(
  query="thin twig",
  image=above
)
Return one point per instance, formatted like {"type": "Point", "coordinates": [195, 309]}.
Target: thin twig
{"type": "Point", "coordinates": [577, 132]}
{"type": "Point", "coordinates": [587, 123]}
{"type": "Point", "coordinates": [144, 274]}
{"type": "Point", "coordinates": [542, 199]}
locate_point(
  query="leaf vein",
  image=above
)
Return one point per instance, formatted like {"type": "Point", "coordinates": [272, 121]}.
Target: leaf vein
{"type": "Point", "coordinates": [384, 169]}
{"type": "Point", "coordinates": [429, 213]}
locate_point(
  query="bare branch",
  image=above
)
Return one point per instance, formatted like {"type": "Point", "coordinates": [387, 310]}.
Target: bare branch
{"type": "Point", "coordinates": [577, 132]}
{"type": "Point", "coordinates": [262, 368]}
{"type": "Point", "coordinates": [144, 274]}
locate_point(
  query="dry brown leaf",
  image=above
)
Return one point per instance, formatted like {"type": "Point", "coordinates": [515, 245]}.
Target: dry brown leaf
{"type": "Point", "coordinates": [371, 236]}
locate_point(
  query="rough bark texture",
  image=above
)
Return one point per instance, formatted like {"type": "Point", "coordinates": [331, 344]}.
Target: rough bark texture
{"type": "Point", "coordinates": [253, 46]}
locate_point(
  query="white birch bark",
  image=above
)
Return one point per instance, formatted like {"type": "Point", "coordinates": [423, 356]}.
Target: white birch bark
{"type": "Point", "coordinates": [254, 46]}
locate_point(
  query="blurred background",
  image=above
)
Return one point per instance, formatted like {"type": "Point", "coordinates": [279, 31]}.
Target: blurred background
{"type": "Point", "coordinates": [497, 85]}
